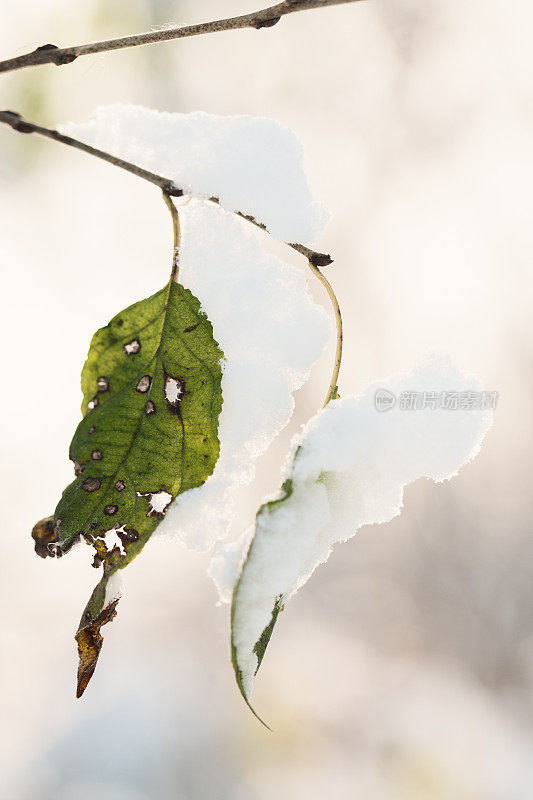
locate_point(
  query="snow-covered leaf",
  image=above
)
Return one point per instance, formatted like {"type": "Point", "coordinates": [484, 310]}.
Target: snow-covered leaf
{"type": "Point", "coordinates": [347, 469]}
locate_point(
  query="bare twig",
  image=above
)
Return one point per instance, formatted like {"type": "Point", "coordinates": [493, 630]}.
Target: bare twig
{"type": "Point", "coordinates": [265, 18]}
{"type": "Point", "coordinates": [21, 125]}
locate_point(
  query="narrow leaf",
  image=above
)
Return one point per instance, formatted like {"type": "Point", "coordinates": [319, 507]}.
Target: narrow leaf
{"type": "Point", "coordinates": [246, 663]}
{"type": "Point", "coordinates": [349, 469]}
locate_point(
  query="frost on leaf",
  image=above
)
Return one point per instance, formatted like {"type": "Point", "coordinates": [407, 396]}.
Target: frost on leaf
{"type": "Point", "coordinates": [347, 469]}
{"type": "Point", "coordinates": [126, 449]}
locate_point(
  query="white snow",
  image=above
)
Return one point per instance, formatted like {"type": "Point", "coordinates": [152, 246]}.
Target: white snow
{"type": "Point", "coordinates": [173, 390]}
{"type": "Point", "coordinates": [113, 589]}
{"type": "Point", "coordinates": [271, 333]}
{"type": "Point", "coordinates": [269, 328]}
{"type": "Point", "coordinates": [112, 540]}
{"type": "Point", "coordinates": [252, 164]}
{"type": "Point", "coordinates": [226, 563]}
{"type": "Point", "coordinates": [132, 347]}
{"type": "Point", "coordinates": [158, 502]}
{"type": "Point", "coordinates": [351, 469]}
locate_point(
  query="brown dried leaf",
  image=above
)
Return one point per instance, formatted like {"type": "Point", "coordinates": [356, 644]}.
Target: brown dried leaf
{"type": "Point", "coordinates": [90, 642]}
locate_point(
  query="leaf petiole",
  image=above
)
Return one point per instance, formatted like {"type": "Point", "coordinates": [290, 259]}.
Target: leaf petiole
{"type": "Point", "coordinates": [332, 392]}
{"type": "Point", "coordinates": [177, 235]}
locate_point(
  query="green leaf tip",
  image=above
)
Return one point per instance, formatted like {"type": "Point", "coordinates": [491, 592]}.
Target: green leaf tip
{"type": "Point", "coordinates": [151, 402]}
{"type": "Point", "coordinates": [261, 644]}
{"type": "Point", "coordinates": [239, 602]}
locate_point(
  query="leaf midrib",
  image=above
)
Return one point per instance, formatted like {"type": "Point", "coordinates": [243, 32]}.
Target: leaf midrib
{"type": "Point", "coordinates": [100, 500]}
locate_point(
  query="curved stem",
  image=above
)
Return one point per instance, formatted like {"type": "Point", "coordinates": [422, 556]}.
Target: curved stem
{"type": "Point", "coordinates": [177, 236]}
{"type": "Point", "coordinates": [332, 392]}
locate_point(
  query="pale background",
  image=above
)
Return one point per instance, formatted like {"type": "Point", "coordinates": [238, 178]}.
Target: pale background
{"type": "Point", "coordinates": [404, 669]}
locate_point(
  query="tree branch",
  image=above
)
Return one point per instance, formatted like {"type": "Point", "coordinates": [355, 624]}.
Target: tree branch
{"type": "Point", "coordinates": [17, 123]}
{"type": "Point", "coordinates": [265, 18]}
{"type": "Point", "coordinates": [21, 125]}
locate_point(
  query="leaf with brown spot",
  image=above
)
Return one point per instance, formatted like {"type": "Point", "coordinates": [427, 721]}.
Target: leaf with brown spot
{"type": "Point", "coordinates": [132, 443]}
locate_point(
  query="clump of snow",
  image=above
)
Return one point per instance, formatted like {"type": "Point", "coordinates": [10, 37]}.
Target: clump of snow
{"type": "Point", "coordinates": [269, 328]}
{"type": "Point", "coordinates": [252, 164]}
{"type": "Point", "coordinates": [350, 470]}
{"type": "Point", "coordinates": [113, 589]}
{"type": "Point", "coordinates": [158, 502]}
{"type": "Point", "coordinates": [173, 390]}
{"type": "Point", "coordinates": [271, 332]}
{"type": "Point", "coordinates": [226, 563]}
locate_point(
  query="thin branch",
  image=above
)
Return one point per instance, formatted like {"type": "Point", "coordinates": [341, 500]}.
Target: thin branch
{"type": "Point", "coordinates": [21, 125]}
{"type": "Point", "coordinates": [265, 18]}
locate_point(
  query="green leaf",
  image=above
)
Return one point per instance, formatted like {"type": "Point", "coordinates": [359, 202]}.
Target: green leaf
{"type": "Point", "coordinates": [151, 401]}
{"type": "Point", "coordinates": [238, 605]}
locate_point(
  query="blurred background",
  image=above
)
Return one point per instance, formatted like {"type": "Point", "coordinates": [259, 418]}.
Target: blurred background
{"type": "Point", "coordinates": [404, 669]}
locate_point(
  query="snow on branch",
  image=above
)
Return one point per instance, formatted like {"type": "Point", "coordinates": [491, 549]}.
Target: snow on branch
{"type": "Point", "coordinates": [250, 165]}
{"type": "Point", "coordinates": [135, 142]}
